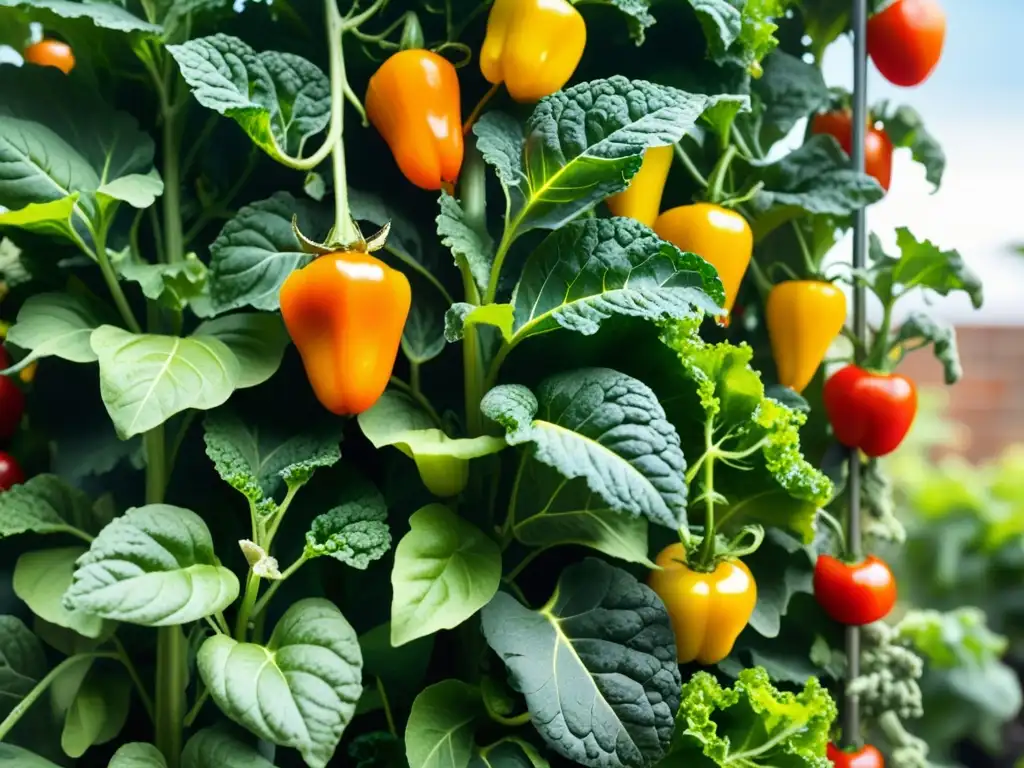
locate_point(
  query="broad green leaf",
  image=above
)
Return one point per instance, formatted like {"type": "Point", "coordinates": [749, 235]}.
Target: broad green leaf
{"type": "Point", "coordinates": [905, 128]}
{"type": "Point", "coordinates": [919, 329]}
{"type": "Point", "coordinates": [468, 245]}
{"type": "Point", "coordinates": [16, 757]}
{"type": "Point", "coordinates": [40, 580]}
{"type": "Point", "coordinates": [551, 511]}
{"type": "Point", "coordinates": [778, 727]}
{"type": "Point", "coordinates": [509, 753]}
{"type": "Point", "coordinates": [439, 733]}
{"type": "Point", "coordinates": [173, 285]}
{"type": "Point", "coordinates": [257, 250]}
{"type": "Point", "coordinates": [146, 379]}
{"type": "Point", "coordinates": [44, 504]}
{"type": "Point", "coordinates": [356, 531]}
{"type": "Point", "coordinates": [921, 264]}
{"type": "Point", "coordinates": [638, 17]}
{"type": "Point", "coordinates": [597, 665]}
{"type": "Point", "coordinates": [593, 269]}
{"type": "Point", "coordinates": [721, 22]}
{"type": "Point", "coordinates": [764, 478]}
{"type": "Point", "coordinates": [445, 570]}
{"type": "Point", "coordinates": [218, 748]}
{"type": "Point", "coordinates": [67, 641]}
{"type": "Point", "coordinates": [99, 710]}
{"type": "Point", "coordinates": [138, 755]}
{"type": "Point", "coordinates": [103, 15]}
{"type": "Point", "coordinates": [56, 325]}
{"type": "Point", "coordinates": [581, 145]}
{"type": "Point", "coordinates": [137, 189]}
{"type": "Point", "coordinates": [258, 458]}
{"type": "Point", "coordinates": [402, 669]}
{"type": "Point", "coordinates": [815, 178]}
{"type": "Point", "coordinates": [44, 156]}
{"type": "Point", "coordinates": [298, 691]}
{"type": "Point", "coordinates": [784, 568]}
{"type": "Point", "coordinates": [790, 90]}
{"type": "Point", "coordinates": [258, 340]}
{"type": "Point", "coordinates": [605, 427]}
{"type": "Point", "coordinates": [279, 99]}
{"type": "Point", "coordinates": [443, 462]}
{"type": "Point", "coordinates": [423, 336]}
{"type": "Point", "coordinates": [53, 217]}
{"type": "Point", "coordinates": [460, 315]}
{"type": "Point", "coordinates": [22, 664]}
{"type": "Point", "coordinates": [153, 566]}
{"type": "Point", "coordinates": [740, 32]}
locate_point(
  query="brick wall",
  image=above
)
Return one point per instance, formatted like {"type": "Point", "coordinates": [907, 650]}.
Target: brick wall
{"type": "Point", "coordinates": [989, 399]}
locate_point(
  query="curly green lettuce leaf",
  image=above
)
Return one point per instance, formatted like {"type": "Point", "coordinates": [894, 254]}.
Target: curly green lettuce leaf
{"type": "Point", "coordinates": [722, 413]}
{"type": "Point", "coordinates": [740, 32]}
{"type": "Point", "coordinates": [356, 531]}
{"type": "Point", "coordinates": [751, 724]}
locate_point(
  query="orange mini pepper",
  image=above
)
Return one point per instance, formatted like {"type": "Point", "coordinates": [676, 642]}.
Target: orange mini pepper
{"type": "Point", "coordinates": [413, 101]}
{"type": "Point", "coordinates": [51, 53]}
{"type": "Point", "coordinates": [346, 311]}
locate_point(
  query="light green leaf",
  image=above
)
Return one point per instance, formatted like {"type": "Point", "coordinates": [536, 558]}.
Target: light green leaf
{"type": "Point", "coordinates": [99, 710]}
{"type": "Point", "coordinates": [217, 748]}
{"type": "Point", "coordinates": [593, 269]}
{"type": "Point", "coordinates": [439, 733]}
{"type": "Point", "coordinates": [256, 457]}
{"type": "Point", "coordinates": [298, 691]}
{"type": "Point", "coordinates": [56, 325]}
{"type": "Point", "coordinates": [40, 580]}
{"type": "Point", "coordinates": [257, 250]}
{"type": "Point", "coordinates": [139, 190]}
{"type": "Point", "coordinates": [356, 531]}
{"type": "Point", "coordinates": [173, 285]}
{"type": "Point", "coordinates": [550, 511]}
{"type": "Point", "coordinates": [16, 757]}
{"type": "Point", "coordinates": [581, 145]}
{"type": "Point", "coordinates": [920, 329]}
{"type": "Point", "coordinates": [138, 755]}
{"type": "Point", "coordinates": [145, 379]}
{"type": "Point", "coordinates": [443, 462]}
{"type": "Point", "coordinates": [279, 99]}
{"type": "Point", "coordinates": [597, 665]}
{"type": "Point", "coordinates": [102, 15]}
{"type": "Point", "coordinates": [258, 341]}
{"type": "Point", "coordinates": [461, 314]}
{"type": "Point", "coordinates": [44, 504]}
{"type": "Point", "coordinates": [445, 570]}
{"type": "Point", "coordinates": [468, 245]}
{"type": "Point", "coordinates": [605, 427]}
{"type": "Point", "coordinates": [153, 566]}
{"type": "Point", "coordinates": [53, 217]}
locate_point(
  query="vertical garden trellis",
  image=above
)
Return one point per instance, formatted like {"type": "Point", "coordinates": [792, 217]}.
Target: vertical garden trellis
{"type": "Point", "coordinates": [851, 710]}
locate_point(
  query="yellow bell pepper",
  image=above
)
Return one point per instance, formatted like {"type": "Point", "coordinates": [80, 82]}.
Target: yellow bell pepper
{"type": "Point", "coordinates": [533, 46]}
{"type": "Point", "coordinates": [707, 610]}
{"type": "Point", "coordinates": [641, 200]}
{"type": "Point", "coordinates": [803, 318]}
{"type": "Point", "coordinates": [718, 235]}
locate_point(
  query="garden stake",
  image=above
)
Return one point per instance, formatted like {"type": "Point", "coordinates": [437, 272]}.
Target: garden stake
{"type": "Point", "coordinates": [850, 710]}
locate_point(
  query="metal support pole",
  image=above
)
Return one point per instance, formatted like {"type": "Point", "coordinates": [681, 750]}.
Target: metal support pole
{"type": "Point", "coordinates": [851, 706]}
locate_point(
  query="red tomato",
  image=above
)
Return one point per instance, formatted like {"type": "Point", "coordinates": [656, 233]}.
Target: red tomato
{"type": "Point", "coordinates": [12, 401]}
{"type": "Point", "coordinates": [854, 594]}
{"type": "Point", "coordinates": [905, 40]}
{"type": "Point", "coordinates": [10, 472]}
{"type": "Point", "coordinates": [868, 410]}
{"type": "Point", "coordinates": [51, 53]}
{"type": "Point", "coordinates": [865, 757]}
{"type": "Point", "coordinates": [877, 144]}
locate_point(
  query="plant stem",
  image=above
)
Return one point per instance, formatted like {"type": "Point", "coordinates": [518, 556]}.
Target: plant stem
{"type": "Point", "coordinates": [126, 660]}
{"type": "Point", "coordinates": [110, 277]}
{"type": "Point", "coordinates": [805, 252]}
{"type": "Point", "coordinates": [197, 707]}
{"type": "Point", "coordinates": [344, 229]}
{"type": "Point", "coordinates": [170, 692]}
{"type": "Point", "coordinates": [716, 183]}
{"type": "Point", "coordinates": [876, 358]}
{"type": "Point", "coordinates": [387, 707]}
{"type": "Point", "coordinates": [156, 465]}
{"type": "Point", "coordinates": [707, 554]}
{"type": "Point", "coordinates": [252, 591]}
{"type": "Point", "coordinates": [414, 378]}
{"type": "Point", "coordinates": [474, 201]}
{"type": "Point", "coordinates": [689, 166]}
{"type": "Point", "coordinates": [174, 238]}
{"type": "Point", "coordinates": [23, 706]}
{"type": "Point", "coordinates": [418, 397]}
{"type": "Point", "coordinates": [262, 603]}
{"type": "Point", "coordinates": [479, 108]}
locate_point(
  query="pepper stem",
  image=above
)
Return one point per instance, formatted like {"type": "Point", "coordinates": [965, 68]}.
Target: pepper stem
{"type": "Point", "coordinates": [716, 181]}
{"type": "Point", "coordinates": [344, 229]}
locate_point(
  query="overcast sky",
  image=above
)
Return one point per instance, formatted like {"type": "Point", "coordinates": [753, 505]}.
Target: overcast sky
{"type": "Point", "coordinates": [974, 105]}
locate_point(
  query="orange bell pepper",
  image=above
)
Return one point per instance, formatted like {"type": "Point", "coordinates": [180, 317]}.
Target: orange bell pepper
{"type": "Point", "coordinates": [345, 312]}
{"type": "Point", "coordinates": [413, 101]}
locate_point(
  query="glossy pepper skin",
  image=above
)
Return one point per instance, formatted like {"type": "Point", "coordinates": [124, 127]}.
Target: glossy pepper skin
{"type": "Point", "coordinates": [718, 235]}
{"type": "Point", "coordinates": [865, 757]}
{"type": "Point", "coordinates": [641, 200]}
{"type": "Point", "coordinates": [533, 46]}
{"type": "Point", "coordinates": [854, 594]}
{"type": "Point", "coordinates": [413, 101]}
{"type": "Point", "coordinates": [346, 312]}
{"type": "Point", "coordinates": [869, 410]}
{"type": "Point", "coordinates": [51, 53]}
{"type": "Point", "coordinates": [803, 319]}
{"type": "Point", "coordinates": [707, 610]}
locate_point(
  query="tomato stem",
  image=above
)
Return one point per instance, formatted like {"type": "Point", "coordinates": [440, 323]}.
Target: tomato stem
{"type": "Point", "coordinates": [805, 252]}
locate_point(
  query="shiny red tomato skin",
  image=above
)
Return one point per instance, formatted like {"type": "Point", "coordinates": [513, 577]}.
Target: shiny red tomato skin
{"type": "Point", "coordinates": [868, 410]}
{"type": "Point", "coordinates": [854, 594]}
{"type": "Point", "coordinates": [905, 40]}
{"type": "Point", "coordinates": [877, 144]}
{"type": "Point", "coordinates": [11, 473]}
{"type": "Point", "coordinates": [12, 401]}
{"type": "Point", "coordinates": [865, 757]}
